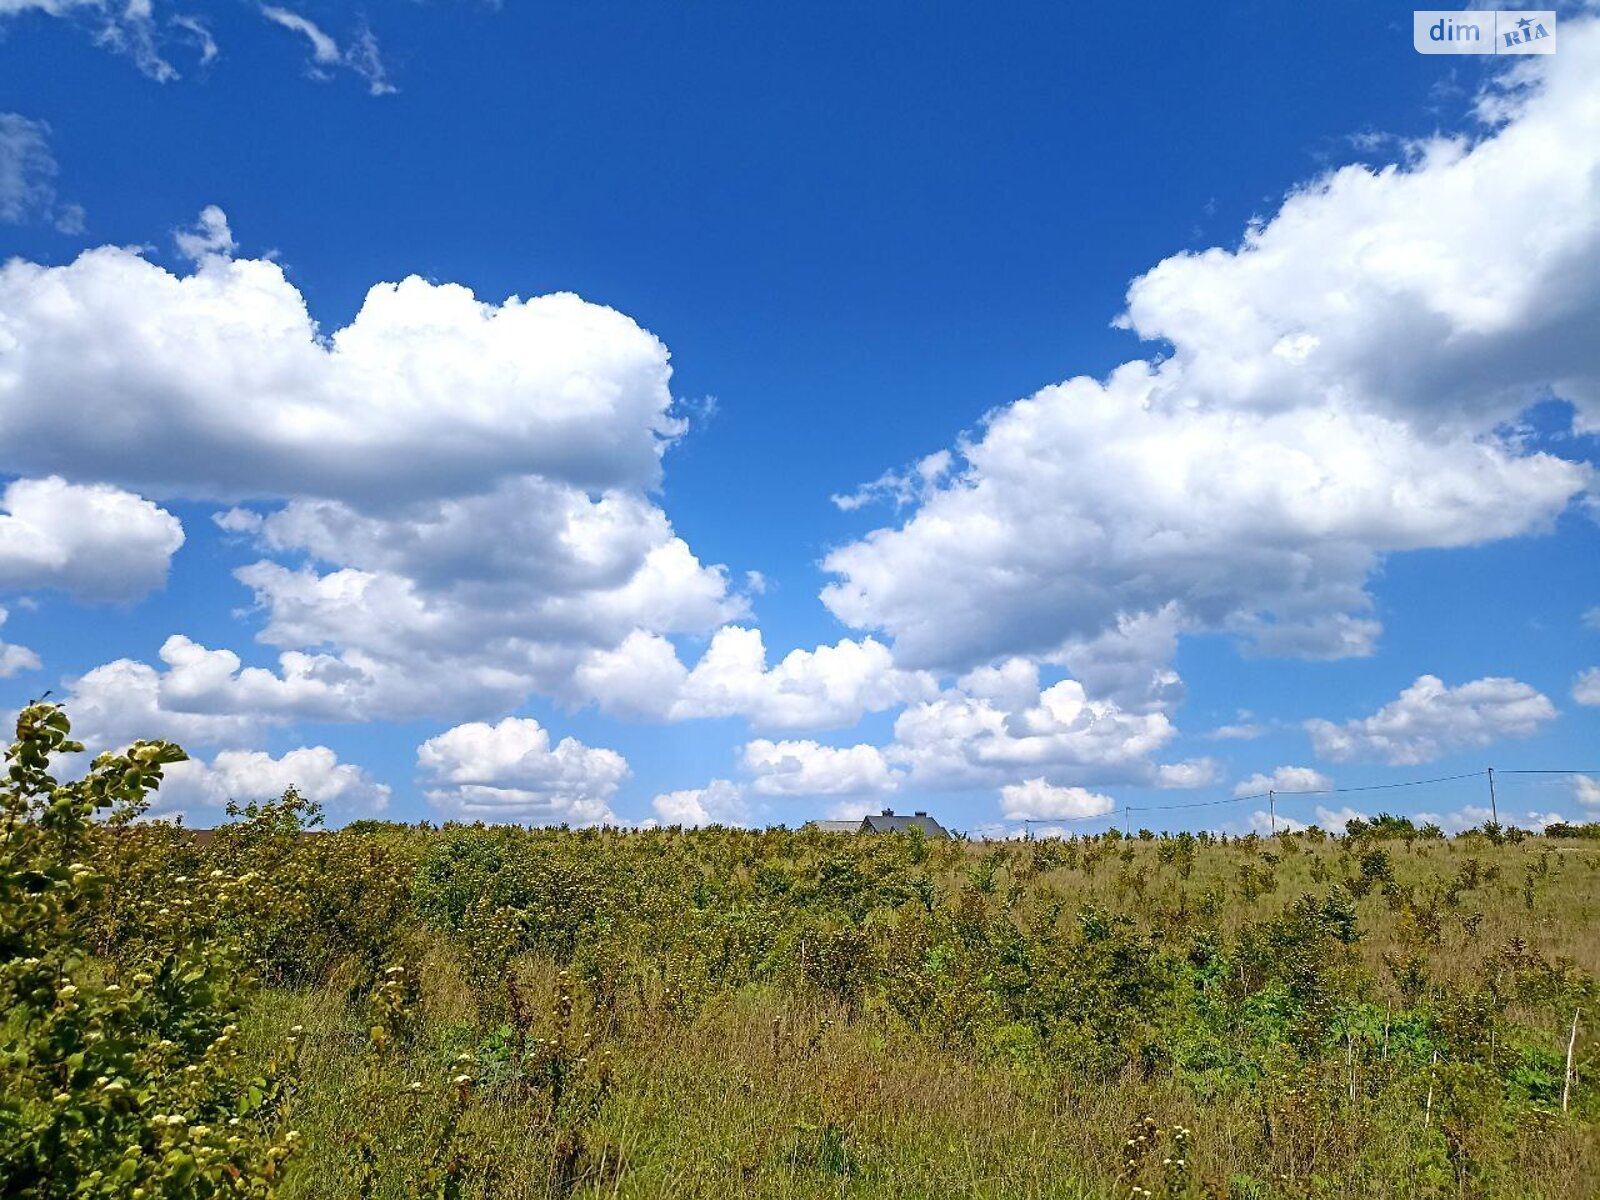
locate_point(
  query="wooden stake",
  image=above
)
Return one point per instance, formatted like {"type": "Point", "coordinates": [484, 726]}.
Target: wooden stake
{"type": "Point", "coordinates": [1427, 1109]}
{"type": "Point", "coordinates": [1566, 1081]}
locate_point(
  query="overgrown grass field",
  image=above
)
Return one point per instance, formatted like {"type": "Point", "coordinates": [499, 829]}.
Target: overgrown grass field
{"type": "Point", "coordinates": [469, 1011]}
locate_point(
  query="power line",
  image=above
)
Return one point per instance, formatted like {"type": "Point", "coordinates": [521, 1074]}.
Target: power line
{"type": "Point", "coordinates": [1274, 792]}
{"type": "Point", "coordinates": [1371, 787]}
{"type": "Point", "coordinates": [1379, 787]}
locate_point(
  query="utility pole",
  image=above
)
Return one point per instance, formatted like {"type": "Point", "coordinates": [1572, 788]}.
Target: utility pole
{"type": "Point", "coordinates": [1494, 814]}
{"type": "Point", "coordinates": [1127, 827]}
{"type": "Point", "coordinates": [1272, 810]}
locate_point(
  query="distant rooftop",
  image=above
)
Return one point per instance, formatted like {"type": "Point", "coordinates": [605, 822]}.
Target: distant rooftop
{"type": "Point", "coordinates": [887, 821]}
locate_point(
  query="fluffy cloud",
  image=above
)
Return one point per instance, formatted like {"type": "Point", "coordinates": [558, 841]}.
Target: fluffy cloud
{"type": "Point", "coordinates": [121, 702]}
{"type": "Point", "coordinates": [203, 696]}
{"type": "Point", "coordinates": [805, 768]}
{"type": "Point", "coordinates": [1335, 391]}
{"type": "Point", "coordinates": [452, 497]}
{"type": "Point", "coordinates": [343, 789]}
{"type": "Point", "coordinates": [1586, 688]}
{"type": "Point", "coordinates": [1335, 819]}
{"type": "Point", "coordinates": [510, 772]}
{"type": "Point", "coordinates": [901, 488]}
{"type": "Point", "coordinates": [1035, 799]}
{"type": "Point", "coordinates": [1284, 779]}
{"type": "Point", "coordinates": [1429, 720]}
{"type": "Point", "coordinates": [1091, 502]}
{"type": "Point", "coordinates": [1191, 773]}
{"type": "Point", "coordinates": [315, 687]}
{"type": "Point", "coordinates": [825, 688]}
{"type": "Point", "coordinates": [720, 802]}
{"type": "Point", "coordinates": [1007, 728]}
{"type": "Point", "coordinates": [1586, 791]}
{"type": "Point", "coordinates": [1263, 822]}
{"type": "Point", "coordinates": [209, 237]}
{"type": "Point", "coordinates": [14, 658]}
{"type": "Point", "coordinates": [1127, 661]}
{"type": "Point", "coordinates": [96, 542]}
{"type": "Point", "coordinates": [482, 599]}
{"type": "Point", "coordinates": [531, 558]}
{"type": "Point", "coordinates": [219, 383]}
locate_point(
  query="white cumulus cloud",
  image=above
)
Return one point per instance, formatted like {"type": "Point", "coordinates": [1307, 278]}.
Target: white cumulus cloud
{"type": "Point", "coordinates": [121, 702]}
{"type": "Point", "coordinates": [962, 740]}
{"type": "Point", "coordinates": [14, 658]}
{"type": "Point", "coordinates": [218, 383]}
{"type": "Point", "coordinates": [452, 498]}
{"type": "Point", "coordinates": [1429, 720]}
{"type": "Point", "coordinates": [1586, 791]}
{"type": "Point", "coordinates": [209, 236]}
{"type": "Point", "coordinates": [720, 802]}
{"type": "Point", "coordinates": [343, 789]}
{"type": "Point", "coordinates": [1036, 799]}
{"type": "Point", "coordinates": [1336, 390]}
{"type": "Point", "coordinates": [510, 772]}
{"type": "Point", "coordinates": [829, 687]}
{"type": "Point", "coordinates": [806, 768]}
{"type": "Point", "coordinates": [1284, 779]}
{"type": "Point", "coordinates": [92, 541]}
{"type": "Point", "coordinates": [1586, 688]}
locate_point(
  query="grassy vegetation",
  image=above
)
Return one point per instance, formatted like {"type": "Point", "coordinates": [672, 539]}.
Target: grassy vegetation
{"type": "Point", "coordinates": [534, 1013]}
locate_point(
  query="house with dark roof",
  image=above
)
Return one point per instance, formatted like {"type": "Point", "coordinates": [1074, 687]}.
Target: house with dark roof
{"type": "Point", "coordinates": [888, 821]}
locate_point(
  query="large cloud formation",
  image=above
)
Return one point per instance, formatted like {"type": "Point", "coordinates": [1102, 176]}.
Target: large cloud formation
{"type": "Point", "coordinates": [450, 505]}
{"type": "Point", "coordinates": [806, 768]}
{"type": "Point", "coordinates": [1334, 389]}
{"type": "Point", "coordinates": [94, 542]}
{"type": "Point", "coordinates": [999, 725]}
{"type": "Point", "coordinates": [242, 776]}
{"type": "Point", "coordinates": [720, 802]}
{"type": "Point", "coordinates": [510, 772]}
{"type": "Point", "coordinates": [218, 383]}
{"type": "Point", "coordinates": [451, 498]}
{"type": "Point", "coordinates": [829, 687]}
{"type": "Point", "coordinates": [1429, 720]}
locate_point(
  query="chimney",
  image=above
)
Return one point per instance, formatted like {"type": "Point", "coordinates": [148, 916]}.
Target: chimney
{"type": "Point", "coordinates": [919, 813]}
{"type": "Point", "coordinates": [888, 812]}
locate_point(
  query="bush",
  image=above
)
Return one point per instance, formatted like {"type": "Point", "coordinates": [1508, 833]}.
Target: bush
{"type": "Point", "coordinates": [118, 1079]}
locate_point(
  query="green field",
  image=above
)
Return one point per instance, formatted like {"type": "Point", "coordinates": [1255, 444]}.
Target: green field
{"type": "Point", "coordinates": [396, 1011]}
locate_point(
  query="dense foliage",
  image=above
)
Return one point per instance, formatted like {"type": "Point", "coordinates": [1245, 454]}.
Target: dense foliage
{"type": "Point", "coordinates": [516, 1012]}
{"type": "Point", "coordinates": [120, 1075]}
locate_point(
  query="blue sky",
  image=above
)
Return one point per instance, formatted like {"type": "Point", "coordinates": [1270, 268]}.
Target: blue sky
{"type": "Point", "coordinates": [1327, 308]}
